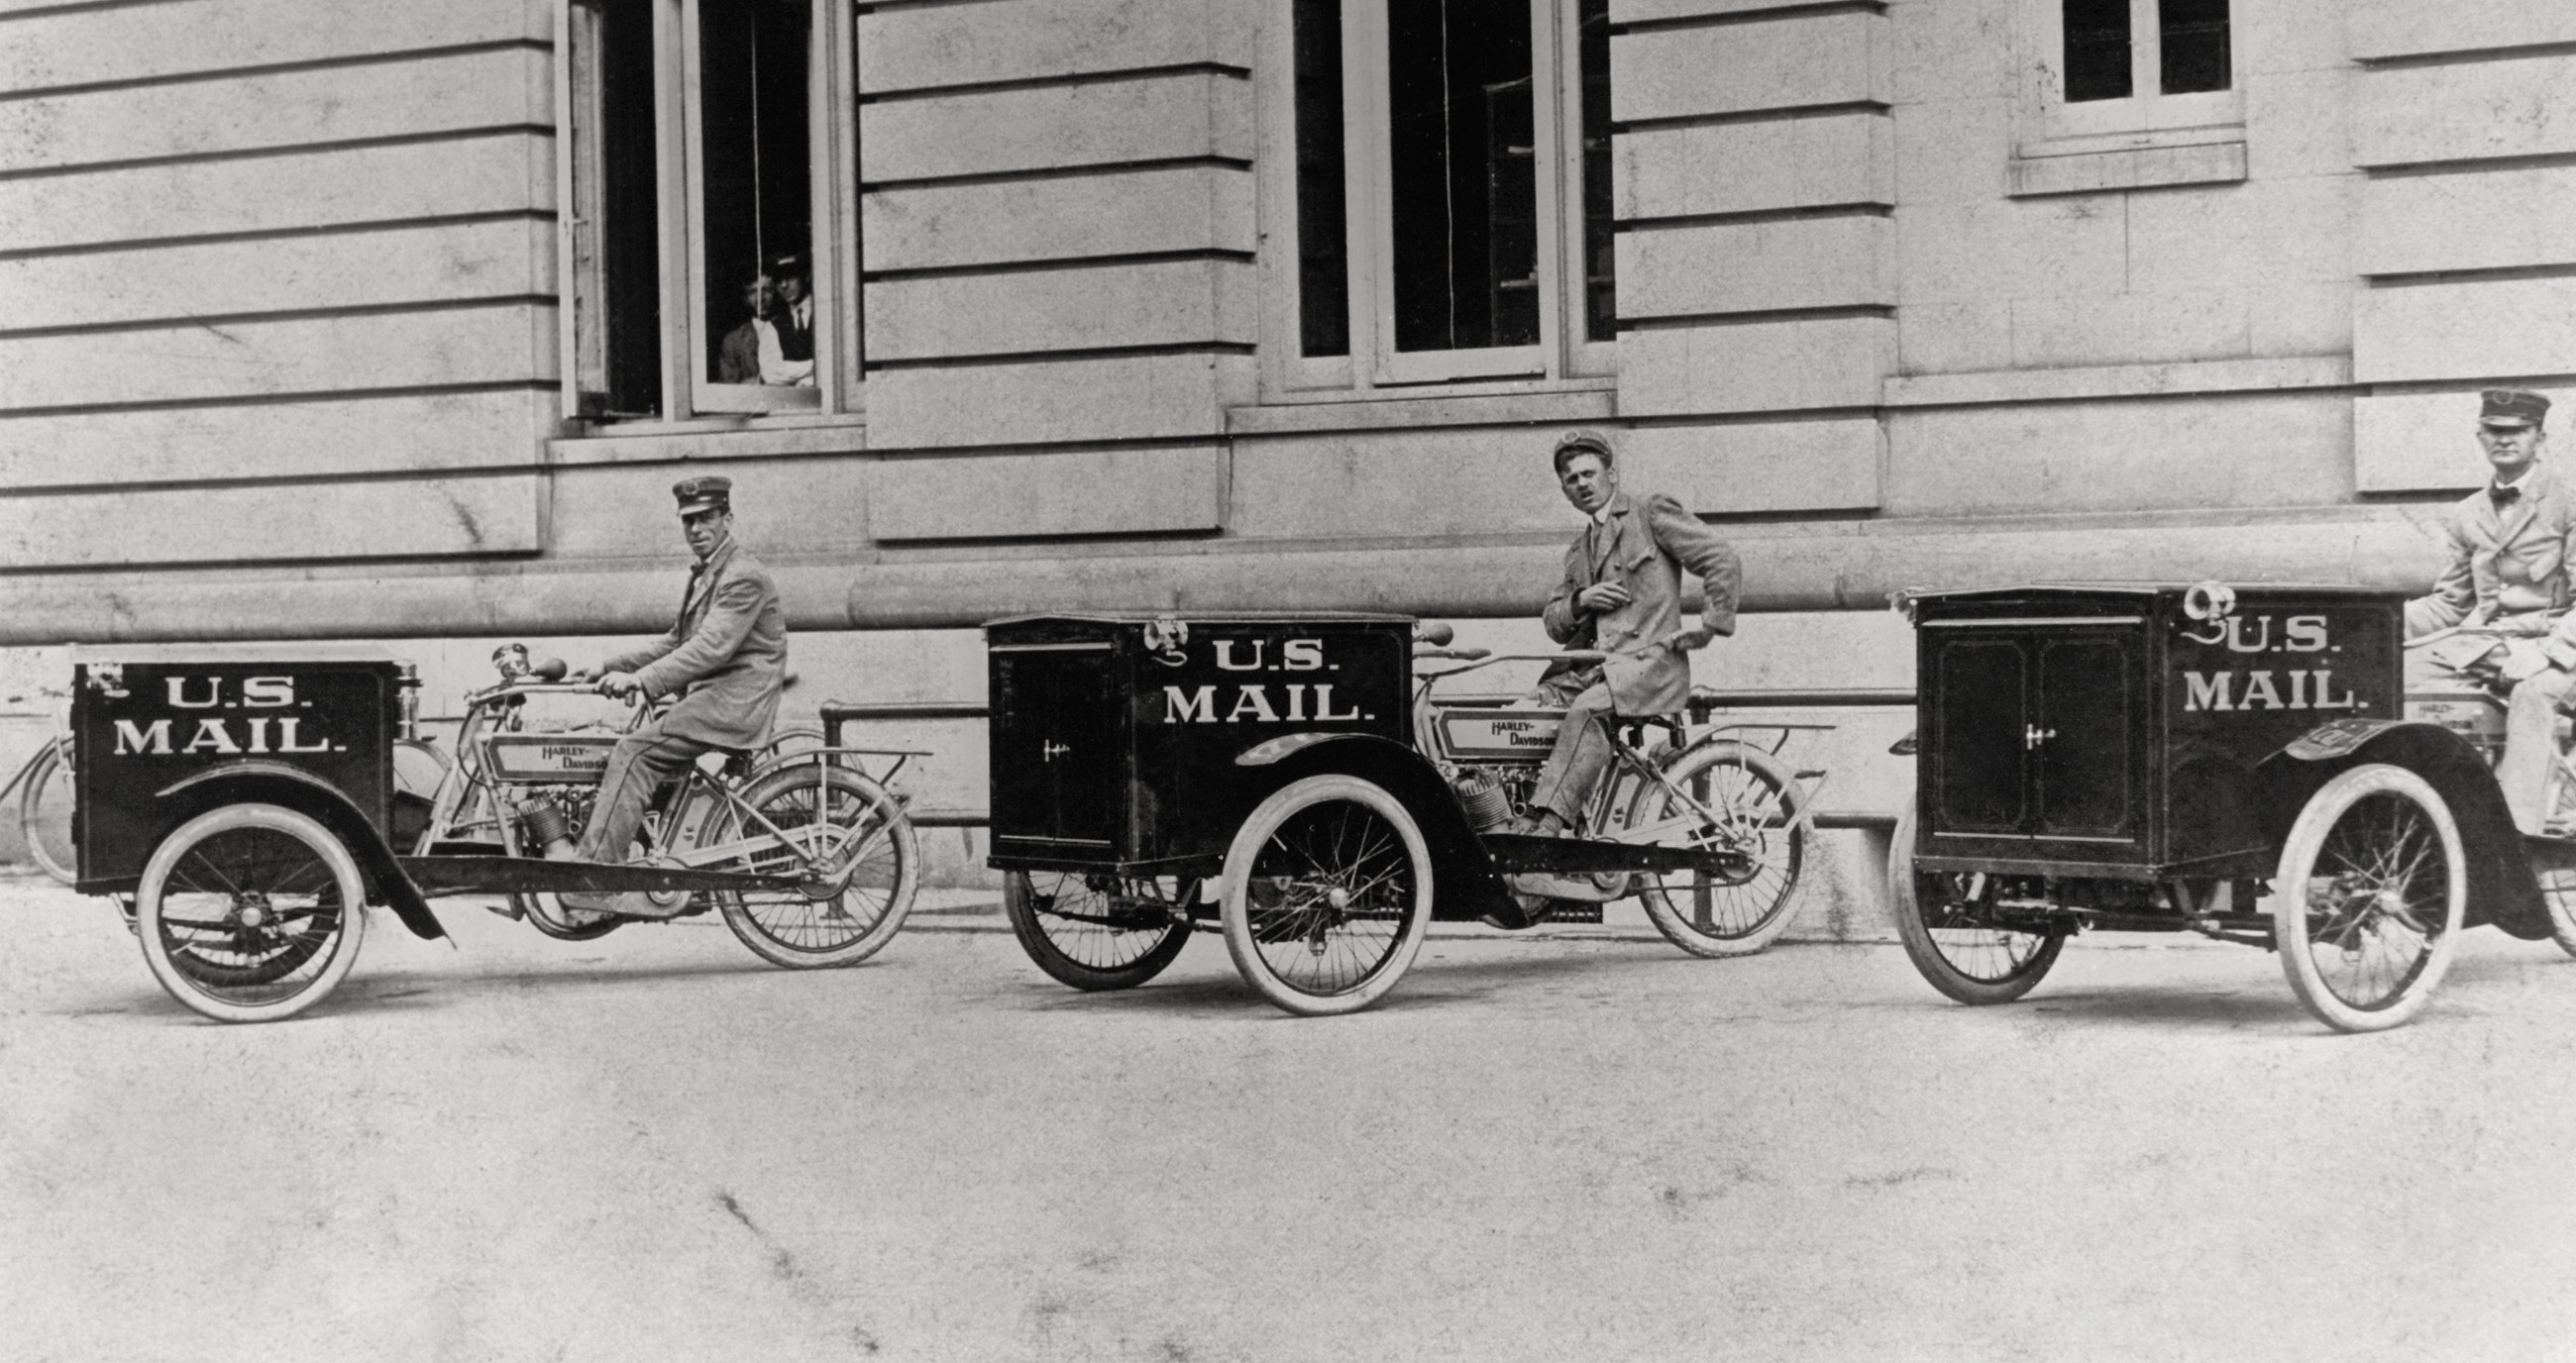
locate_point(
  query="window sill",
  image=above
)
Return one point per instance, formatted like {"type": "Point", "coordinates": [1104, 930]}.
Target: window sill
{"type": "Point", "coordinates": [1395, 409]}
{"type": "Point", "coordinates": [643, 442]}
{"type": "Point", "coordinates": [2094, 169]}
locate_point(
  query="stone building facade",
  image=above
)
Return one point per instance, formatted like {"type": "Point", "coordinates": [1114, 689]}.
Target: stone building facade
{"type": "Point", "coordinates": [333, 321]}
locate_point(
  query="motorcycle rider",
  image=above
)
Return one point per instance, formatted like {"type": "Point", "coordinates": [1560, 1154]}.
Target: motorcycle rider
{"type": "Point", "coordinates": [725, 656]}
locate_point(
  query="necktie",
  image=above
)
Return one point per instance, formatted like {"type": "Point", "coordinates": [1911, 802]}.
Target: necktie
{"type": "Point", "coordinates": [2505, 496]}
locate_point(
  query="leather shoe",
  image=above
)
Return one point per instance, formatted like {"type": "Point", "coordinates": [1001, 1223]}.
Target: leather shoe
{"type": "Point", "coordinates": [1534, 910]}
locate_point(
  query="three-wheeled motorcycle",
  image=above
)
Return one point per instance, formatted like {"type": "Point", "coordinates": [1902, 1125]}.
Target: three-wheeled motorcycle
{"type": "Point", "coordinates": [2240, 762]}
{"type": "Point", "coordinates": [244, 810]}
{"type": "Point", "coordinates": [1293, 782]}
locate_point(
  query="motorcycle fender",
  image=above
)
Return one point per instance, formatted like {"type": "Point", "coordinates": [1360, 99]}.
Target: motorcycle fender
{"type": "Point", "coordinates": [279, 783]}
{"type": "Point", "coordinates": [2503, 888]}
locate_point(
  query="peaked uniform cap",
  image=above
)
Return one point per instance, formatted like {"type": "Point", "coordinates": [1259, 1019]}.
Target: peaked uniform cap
{"type": "Point", "coordinates": [2511, 407]}
{"type": "Point", "coordinates": [710, 493]}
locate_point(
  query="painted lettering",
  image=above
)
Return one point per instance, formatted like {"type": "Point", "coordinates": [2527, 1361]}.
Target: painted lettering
{"type": "Point", "coordinates": [259, 734]}
{"type": "Point", "coordinates": [1225, 655]}
{"type": "Point", "coordinates": [1183, 708]}
{"type": "Point", "coordinates": [179, 694]}
{"type": "Point", "coordinates": [1296, 701]}
{"type": "Point", "coordinates": [2259, 688]}
{"type": "Point", "coordinates": [1324, 706]}
{"type": "Point", "coordinates": [1302, 655]}
{"type": "Point", "coordinates": [2304, 634]}
{"type": "Point", "coordinates": [2349, 701]}
{"type": "Point", "coordinates": [1255, 699]}
{"type": "Point", "coordinates": [2298, 690]}
{"type": "Point", "coordinates": [286, 739]}
{"type": "Point", "coordinates": [133, 738]}
{"type": "Point", "coordinates": [2236, 635]}
{"type": "Point", "coordinates": [268, 693]}
{"type": "Point", "coordinates": [212, 737]}
{"type": "Point", "coordinates": [2206, 692]}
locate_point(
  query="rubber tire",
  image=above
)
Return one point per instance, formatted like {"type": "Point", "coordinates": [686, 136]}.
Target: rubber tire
{"type": "Point", "coordinates": [180, 973]}
{"type": "Point", "coordinates": [1245, 851]}
{"type": "Point", "coordinates": [906, 844]}
{"type": "Point", "coordinates": [47, 788]}
{"type": "Point", "coordinates": [1905, 903]}
{"type": "Point", "coordinates": [1019, 904]}
{"type": "Point", "coordinates": [1766, 773]}
{"type": "Point", "coordinates": [2562, 911]}
{"type": "Point", "coordinates": [2299, 853]}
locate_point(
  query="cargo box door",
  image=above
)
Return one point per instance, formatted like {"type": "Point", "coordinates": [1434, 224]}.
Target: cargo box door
{"type": "Point", "coordinates": [1057, 767]}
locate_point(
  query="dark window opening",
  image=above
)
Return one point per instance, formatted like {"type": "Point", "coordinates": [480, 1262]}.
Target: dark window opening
{"type": "Point", "coordinates": [758, 204]}
{"type": "Point", "coordinates": [1323, 246]}
{"type": "Point", "coordinates": [1592, 51]}
{"type": "Point", "coordinates": [1463, 165]}
{"type": "Point", "coordinates": [2195, 52]}
{"type": "Point", "coordinates": [628, 237]}
{"type": "Point", "coordinates": [2097, 50]}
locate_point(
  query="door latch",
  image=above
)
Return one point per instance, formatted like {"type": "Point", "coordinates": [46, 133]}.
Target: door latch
{"type": "Point", "coordinates": [1048, 750]}
{"type": "Point", "coordinates": [2032, 735]}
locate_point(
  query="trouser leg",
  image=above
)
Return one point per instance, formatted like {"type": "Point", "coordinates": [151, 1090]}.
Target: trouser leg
{"type": "Point", "coordinates": [1581, 754]}
{"type": "Point", "coordinates": [2531, 745]}
{"type": "Point", "coordinates": [637, 767]}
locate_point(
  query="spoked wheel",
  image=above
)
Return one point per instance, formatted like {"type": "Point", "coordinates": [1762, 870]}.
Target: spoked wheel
{"type": "Point", "coordinates": [1757, 803]}
{"type": "Point", "coordinates": [2366, 908]}
{"type": "Point", "coordinates": [2558, 891]}
{"type": "Point", "coordinates": [1097, 932]}
{"type": "Point", "coordinates": [1327, 895]}
{"type": "Point", "coordinates": [859, 857]}
{"type": "Point", "coordinates": [250, 913]}
{"type": "Point", "coordinates": [1951, 931]}
{"type": "Point", "coordinates": [45, 811]}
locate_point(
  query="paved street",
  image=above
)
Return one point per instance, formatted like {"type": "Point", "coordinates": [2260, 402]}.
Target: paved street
{"type": "Point", "coordinates": [1586, 1146]}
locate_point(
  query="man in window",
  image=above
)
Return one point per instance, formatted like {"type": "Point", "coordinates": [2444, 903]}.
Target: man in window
{"type": "Point", "coordinates": [1621, 594]}
{"type": "Point", "coordinates": [738, 359]}
{"type": "Point", "coordinates": [2488, 620]}
{"type": "Point", "coordinates": [791, 364]}
{"type": "Point", "coordinates": [726, 659]}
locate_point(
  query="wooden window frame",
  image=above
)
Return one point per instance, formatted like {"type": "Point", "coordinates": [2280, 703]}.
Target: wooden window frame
{"type": "Point", "coordinates": [1562, 356]}
{"type": "Point", "coordinates": [832, 122]}
{"type": "Point", "coordinates": [2147, 116]}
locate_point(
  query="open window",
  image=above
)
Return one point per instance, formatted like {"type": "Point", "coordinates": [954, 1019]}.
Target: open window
{"type": "Point", "coordinates": [711, 243]}
{"type": "Point", "coordinates": [1452, 188]}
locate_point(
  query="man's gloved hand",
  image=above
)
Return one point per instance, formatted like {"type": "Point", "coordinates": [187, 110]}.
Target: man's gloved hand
{"type": "Point", "coordinates": [620, 684]}
{"type": "Point", "coordinates": [2524, 658]}
{"type": "Point", "coordinates": [1602, 597]}
{"type": "Point", "coordinates": [1685, 640]}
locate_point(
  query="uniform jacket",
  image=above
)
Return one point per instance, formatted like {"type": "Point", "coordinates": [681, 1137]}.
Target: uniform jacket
{"type": "Point", "coordinates": [1644, 543]}
{"type": "Point", "coordinates": [2506, 562]}
{"type": "Point", "coordinates": [726, 654]}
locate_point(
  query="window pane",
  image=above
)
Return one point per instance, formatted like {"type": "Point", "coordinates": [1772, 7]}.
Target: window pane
{"type": "Point", "coordinates": [759, 198]}
{"type": "Point", "coordinates": [2196, 54]}
{"type": "Point", "coordinates": [629, 234]}
{"type": "Point", "coordinates": [2097, 50]}
{"type": "Point", "coordinates": [1600, 299]}
{"type": "Point", "coordinates": [1465, 184]}
{"type": "Point", "coordinates": [1323, 248]}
